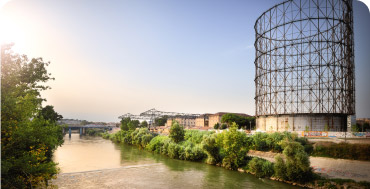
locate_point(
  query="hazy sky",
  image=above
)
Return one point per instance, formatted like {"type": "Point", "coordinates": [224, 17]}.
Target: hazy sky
{"type": "Point", "coordinates": [115, 57]}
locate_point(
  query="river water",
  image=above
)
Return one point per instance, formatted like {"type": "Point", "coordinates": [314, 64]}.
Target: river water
{"type": "Point", "coordinates": [84, 154]}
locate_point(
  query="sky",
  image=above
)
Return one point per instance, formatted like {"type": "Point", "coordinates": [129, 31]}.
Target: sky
{"type": "Point", "coordinates": [113, 57]}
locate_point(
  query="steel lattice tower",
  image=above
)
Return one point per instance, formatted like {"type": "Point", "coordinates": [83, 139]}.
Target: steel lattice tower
{"type": "Point", "coordinates": [305, 66]}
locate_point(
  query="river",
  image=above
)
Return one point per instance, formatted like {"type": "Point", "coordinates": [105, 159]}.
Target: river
{"type": "Point", "coordinates": [93, 162]}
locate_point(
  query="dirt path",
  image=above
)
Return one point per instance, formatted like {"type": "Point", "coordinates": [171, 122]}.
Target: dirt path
{"type": "Point", "coordinates": [329, 167]}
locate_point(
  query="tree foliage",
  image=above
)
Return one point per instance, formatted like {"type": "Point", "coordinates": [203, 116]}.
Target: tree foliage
{"type": "Point", "coordinates": [27, 139]}
{"type": "Point", "coordinates": [161, 121]}
{"type": "Point", "coordinates": [296, 166]}
{"type": "Point", "coordinates": [144, 124]}
{"type": "Point", "coordinates": [241, 121]}
{"type": "Point", "coordinates": [124, 123]}
{"type": "Point", "coordinates": [233, 145]}
{"type": "Point", "coordinates": [216, 126]}
{"type": "Point", "coordinates": [177, 132]}
{"type": "Point", "coordinates": [49, 113]}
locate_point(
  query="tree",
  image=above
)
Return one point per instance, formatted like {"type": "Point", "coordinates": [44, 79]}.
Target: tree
{"type": "Point", "coordinates": [241, 121]}
{"type": "Point", "coordinates": [27, 140]}
{"type": "Point", "coordinates": [233, 143]}
{"type": "Point", "coordinates": [48, 113]}
{"type": "Point", "coordinates": [124, 123]}
{"type": "Point", "coordinates": [132, 125]}
{"type": "Point", "coordinates": [366, 127]}
{"type": "Point", "coordinates": [161, 121]}
{"type": "Point", "coordinates": [216, 126]}
{"type": "Point", "coordinates": [177, 132]}
{"type": "Point", "coordinates": [144, 124]}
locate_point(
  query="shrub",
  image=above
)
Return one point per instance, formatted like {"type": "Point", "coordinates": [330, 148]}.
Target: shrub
{"type": "Point", "coordinates": [94, 132]}
{"type": "Point", "coordinates": [261, 167]}
{"type": "Point", "coordinates": [216, 126]}
{"type": "Point", "coordinates": [211, 148]}
{"type": "Point", "coordinates": [141, 137]}
{"type": "Point", "coordinates": [272, 141]}
{"type": "Point", "coordinates": [156, 143]}
{"type": "Point", "coordinates": [173, 150]}
{"type": "Point", "coordinates": [223, 126]}
{"type": "Point", "coordinates": [259, 141]}
{"type": "Point", "coordinates": [342, 150]}
{"type": "Point", "coordinates": [279, 167]}
{"type": "Point", "coordinates": [196, 136]}
{"type": "Point", "coordinates": [296, 166]}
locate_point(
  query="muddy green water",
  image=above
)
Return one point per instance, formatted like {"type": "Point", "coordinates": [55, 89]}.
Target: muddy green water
{"type": "Point", "coordinates": [79, 154]}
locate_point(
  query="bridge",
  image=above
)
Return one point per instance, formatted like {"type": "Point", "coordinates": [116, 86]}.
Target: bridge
{"type": "Point", "coordinates": [83, 128]}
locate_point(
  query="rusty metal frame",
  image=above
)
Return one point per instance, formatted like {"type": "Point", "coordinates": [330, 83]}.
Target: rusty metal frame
{"type": "Point", "coordinates": [305, 58]}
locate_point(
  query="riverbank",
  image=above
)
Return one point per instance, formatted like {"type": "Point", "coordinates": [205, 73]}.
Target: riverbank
{"type": "Point", "coordinates": [229, 150]}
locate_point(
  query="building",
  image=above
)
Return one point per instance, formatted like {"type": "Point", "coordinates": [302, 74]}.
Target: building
{"type": "Point", "coordinates": [186, 121]}
{"type": "Point", "coordinates": [202, 120]}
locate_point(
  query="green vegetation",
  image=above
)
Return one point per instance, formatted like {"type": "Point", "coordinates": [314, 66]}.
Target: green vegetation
{"type": "Point", "coordinates": [144, 124]}
{"type": "Point", "coordinates": [94, 132]}
{"type": "Point", "coordinates": [216, 126]}
{"type": "Point", "coordinates": [260, 167]}
{"type": "Point", "coordinates": [223, 126]}
{"type": "Point", "coordinates": [241, 121]}
{"type": "Point", "coordinates": [177, 132]}
{"type": "Point", "coordinates": [295, 166]}
{"type": "Point", "coordinates": [233, 147]}
{"type": "Point", "coordinates": [227, 149]}
{"type": "Point", "coordinates": [361, 127]}
{"type": "Point", "coordinates": [124, 123]}
{"type": "Point", "coordinates": [29, 134]}
{"type": "Point", "coordinates": [161, 121]}
{"type": "Point", "coordinates": [133, 124]}
{"type": "Point", "coordinates": [48, 113]}
{"type": "Point", "coordinates": [342, 150]}
{"type": "Point", "coordinates": [128, 124]}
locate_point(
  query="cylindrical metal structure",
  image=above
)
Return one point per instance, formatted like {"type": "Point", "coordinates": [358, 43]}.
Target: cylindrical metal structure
{"type": "Point", "coordinates": [305, 65]}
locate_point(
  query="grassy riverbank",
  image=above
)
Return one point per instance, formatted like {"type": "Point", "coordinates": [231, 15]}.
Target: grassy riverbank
{"type": "Point", "coordinates": [229, 150]}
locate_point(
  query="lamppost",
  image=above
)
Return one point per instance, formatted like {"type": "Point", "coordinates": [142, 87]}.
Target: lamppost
{"type": "Point", "coordinates": [250, 125]}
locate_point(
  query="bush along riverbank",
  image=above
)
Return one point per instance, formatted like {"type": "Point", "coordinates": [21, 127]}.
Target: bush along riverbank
{"type": "Point", "coordinates": [229, 150]}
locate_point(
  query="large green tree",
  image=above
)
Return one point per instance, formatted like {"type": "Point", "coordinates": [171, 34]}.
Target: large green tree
{"type": "Point", "coordinates": [177, 132]}
{"type": "Point", "coordinates": [241, 121]}
{"type": "Point", "coordinates": [233, 144]}
{"type": "Point", "coordinates": [27, 140]}
{"type": "Point", "coordinates": [161, 121]}
{"type": "Point", "coordinates": [49, 113]}
{"type": "Point", "coordinates": [144, 124]}
{"type": "Point", "coordinates": [124, 123]}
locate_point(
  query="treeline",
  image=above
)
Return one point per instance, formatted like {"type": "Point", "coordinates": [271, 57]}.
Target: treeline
{"type": "Point", "coordinates": [29, 133]}
{"type": "Point", "coordinates": [128, 124]}
{"type": "Point", "coordinates": [342, 150]}
{"type": "Point", "coordinates": [227, 149]}
{"type": "Point", "coordinates": [247, 123]}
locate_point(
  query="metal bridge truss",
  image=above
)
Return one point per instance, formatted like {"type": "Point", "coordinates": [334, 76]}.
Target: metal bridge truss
{"type": "Point", "coordinates": [152, 114]}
